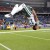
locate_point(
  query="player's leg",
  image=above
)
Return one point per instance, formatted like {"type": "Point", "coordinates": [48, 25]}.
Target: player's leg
{"type": "Point", "coordinates": [15, 10]}
{"type": "Point", "coordinates": [12, 12]}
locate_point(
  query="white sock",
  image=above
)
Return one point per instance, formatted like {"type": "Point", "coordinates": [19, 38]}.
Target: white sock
{"type": "Point", "coordinates": [16, 9]}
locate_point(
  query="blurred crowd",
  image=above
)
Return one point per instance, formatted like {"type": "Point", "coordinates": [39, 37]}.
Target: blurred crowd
{"type": "Point", "coordinates": [13, 23]}
{"type": "Point", "coordinates": [44, 19]}
{"type": "Point", "coordinates": [20, 20]}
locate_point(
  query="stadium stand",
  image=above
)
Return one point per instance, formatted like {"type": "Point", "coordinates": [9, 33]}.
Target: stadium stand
{"type": "Point", "coordinates": [40, 6]}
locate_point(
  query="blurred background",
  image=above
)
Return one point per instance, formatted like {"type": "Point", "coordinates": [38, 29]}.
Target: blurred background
{"type": "Point", "coordinates": [42, 8]}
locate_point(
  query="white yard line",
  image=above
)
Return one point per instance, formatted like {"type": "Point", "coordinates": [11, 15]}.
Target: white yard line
{"type": "Point", "coordinates": [17, 31]}
{"type": "Point", "coordinates": [5, 32]}
{"type": "Point", "coordinates": [13, 32]}
{"type": "Point", "coordinates": [33, 37]}
{"type": "Point", "coordinates": [5, 46]}
{"type": "Point", "coordinates": [26, 31]}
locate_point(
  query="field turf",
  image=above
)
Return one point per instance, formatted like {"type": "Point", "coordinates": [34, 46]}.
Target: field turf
{"type": "Point", "coordinates": [25, 39]}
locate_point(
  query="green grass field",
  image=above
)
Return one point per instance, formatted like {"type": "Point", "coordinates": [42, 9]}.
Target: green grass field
{"type": "Point", "coordinates": [25, 39]}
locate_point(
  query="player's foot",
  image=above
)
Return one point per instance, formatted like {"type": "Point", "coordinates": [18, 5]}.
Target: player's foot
{"type": "Point", "coordinates": [8, 15]}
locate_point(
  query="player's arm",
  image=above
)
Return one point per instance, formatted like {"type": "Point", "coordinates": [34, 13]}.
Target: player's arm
{"type": "Point", "coordinates": [35, 15]}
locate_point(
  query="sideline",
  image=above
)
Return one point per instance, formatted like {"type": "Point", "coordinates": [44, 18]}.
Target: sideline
{"type": "Point", "coordinates": [5, 46]}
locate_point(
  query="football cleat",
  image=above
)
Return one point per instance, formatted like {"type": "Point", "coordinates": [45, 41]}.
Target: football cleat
{"type": "Point", "coordinates": [8, 15]}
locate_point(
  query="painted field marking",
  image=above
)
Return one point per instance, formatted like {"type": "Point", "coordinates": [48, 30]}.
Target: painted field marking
{"type": "Point", "coordinates": [5, 46]}
{"type": "Point", "coordinates": [27, 31]}
{"type": "Point", "coordinates": [13, 32]}
{"type": "Point", "coordinates": [33, 37]}
{"type": "Point", "coordinates": [17, 31]}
